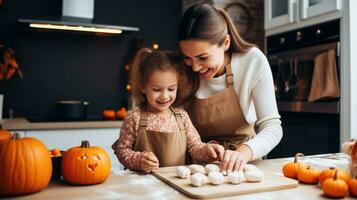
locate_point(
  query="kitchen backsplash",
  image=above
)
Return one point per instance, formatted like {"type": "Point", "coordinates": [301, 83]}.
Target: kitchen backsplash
{"type": "Point", "coordinates": [67, 65]}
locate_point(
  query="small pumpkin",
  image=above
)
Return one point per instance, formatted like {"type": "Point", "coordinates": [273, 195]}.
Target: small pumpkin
{"type": "Point", "coordinates": [56, 152]}
{"type": "Point", "coordinates": [291, 169]}
{"type": "Point", "coordinates": [5, 134]}
{"type": "Point", "coordinates": [85, 165]}
{"type": "Point", "coordinates": [329, 173]}
{"type": "Point", "coordinates": [308, 175]}
{"type": "Point", "coordinates": [335, 187]}
{"type": "Point", "coordinates": [122, 113]}
{"type": "Point", "coordinates": [26, 166]}
{"type": "Point", "coordinates": [109, 114]}
{"type": "Point", "coordinates": [352, 187]}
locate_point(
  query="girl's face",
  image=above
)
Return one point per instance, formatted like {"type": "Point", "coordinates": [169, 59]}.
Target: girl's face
{"type": "Point", "coordinates": [207, 59]}
{"type": "Point", "coordinates": [161, 90]}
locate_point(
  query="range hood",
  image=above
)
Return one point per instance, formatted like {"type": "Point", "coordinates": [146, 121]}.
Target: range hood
{"type": "Point", "coordinates": [77, 15]}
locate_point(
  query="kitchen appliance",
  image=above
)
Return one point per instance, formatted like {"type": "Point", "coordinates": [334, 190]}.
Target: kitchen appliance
{"type": "Point", "coordinates": [291, 56]}
{"type": "Point", "coordinates": [298, 62]}
{"type": "Point", "coordinates": [70, 110]}
{"type": "Point", "coordinates": [77, 15]}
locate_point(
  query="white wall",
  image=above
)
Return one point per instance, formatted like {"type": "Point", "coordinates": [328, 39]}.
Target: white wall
{"type": "Point", "coordinates": [349, 71]}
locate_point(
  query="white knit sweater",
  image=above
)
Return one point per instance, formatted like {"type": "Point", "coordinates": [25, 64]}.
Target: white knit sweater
{"type": "Point", "coordinates": [253, 83]}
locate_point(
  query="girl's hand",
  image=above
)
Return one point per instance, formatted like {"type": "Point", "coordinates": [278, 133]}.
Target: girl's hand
{"type": "Point", "coordinates": [215, 151]}
{"type": "Point", "coordinates": [236, 160]}
{"type": "Point", "coordinates": [149, 162]}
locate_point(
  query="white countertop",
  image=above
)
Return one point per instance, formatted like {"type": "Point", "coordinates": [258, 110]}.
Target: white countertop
{"type": "Point", "coordinates": [22, 124]}
{"type": "Point", "coordinates": [131, 185]}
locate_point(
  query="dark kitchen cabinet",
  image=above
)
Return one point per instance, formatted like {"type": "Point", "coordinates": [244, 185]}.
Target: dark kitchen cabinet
{"type": "Point", "coordinates": [308, 133]}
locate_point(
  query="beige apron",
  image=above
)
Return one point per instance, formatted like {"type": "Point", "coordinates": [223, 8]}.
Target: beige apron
{"type": "Point", "coordinates": [220, 117]}
{"type": "Point", "coordinates": [169, 148]}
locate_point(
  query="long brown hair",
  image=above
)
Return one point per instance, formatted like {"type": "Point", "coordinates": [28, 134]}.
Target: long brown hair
{"type": "Point", "coordinates": [147, 61]}
{"type": "Point", "coordinates": [207, 23]}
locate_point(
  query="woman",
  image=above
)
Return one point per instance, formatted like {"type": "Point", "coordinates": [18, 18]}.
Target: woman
{"type": "Point", "coordinates": [236, 88]}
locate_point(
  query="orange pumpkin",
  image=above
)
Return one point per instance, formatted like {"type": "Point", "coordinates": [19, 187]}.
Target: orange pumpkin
{"type": "Point", "coordinates": [122, 113]}
{"type": "Point", "coordinates": [5, 134]}
{"type": "Point", "coordinates": [352, 187]}
{"type": "Point", "coordinates": [85, 165]}
{"type": "Point", "coordinates": [56, 152]}
{"type": "Point", "coordinates": [291, 169]}
{"type": "Point", "coordinates": [329, 173]}
{"type": "Point", "coordinates": [26, 166]}
{"type": "Point", "coordinates": [109, 114]}
{"type": "Point", "coordinates": [308, 175]}
{"type": "Point", "coordinates": [335, 187]}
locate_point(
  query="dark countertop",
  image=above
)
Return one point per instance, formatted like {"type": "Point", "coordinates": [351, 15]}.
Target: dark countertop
{"type": "Point", "coordinates": [22, 124]}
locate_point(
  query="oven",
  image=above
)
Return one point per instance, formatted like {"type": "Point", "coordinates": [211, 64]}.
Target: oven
{"type": "Point", "coordinates": [305, 64]}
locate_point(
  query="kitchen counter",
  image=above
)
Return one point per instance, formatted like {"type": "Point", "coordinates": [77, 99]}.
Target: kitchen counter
{"type": "Point", "coordinates": [131, 185]}
{"type": "Point", "coordinates": [22, 124]}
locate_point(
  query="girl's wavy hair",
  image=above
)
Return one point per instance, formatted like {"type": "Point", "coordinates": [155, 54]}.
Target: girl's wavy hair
{"type": "Point", "coordinates": [207, 23]}
{"type": "Point", "coordinates": [147, 61]}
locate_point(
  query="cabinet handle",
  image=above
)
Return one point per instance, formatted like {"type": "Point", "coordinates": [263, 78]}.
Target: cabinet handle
{"type": "Point", "coordinates": [291, 10]}
{"type": "Point", "coordinates": [303, 8]}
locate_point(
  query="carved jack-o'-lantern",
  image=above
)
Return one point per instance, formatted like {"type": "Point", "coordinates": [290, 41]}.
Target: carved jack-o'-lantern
{"type": "Point", "coordinates": [85, 165]}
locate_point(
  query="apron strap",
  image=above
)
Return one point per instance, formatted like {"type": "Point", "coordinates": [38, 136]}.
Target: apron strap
{"type": "Point", "coordinates": [143, 120]}
{"type": "Point", "coordinates": [229, 75]}
{"type": "Point", "coordinates": [179, 119]}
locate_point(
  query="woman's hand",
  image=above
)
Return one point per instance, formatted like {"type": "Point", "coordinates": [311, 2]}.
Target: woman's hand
{"type": "Point", "coordinates": [149, 162]}
{"type": "Point", "coordinates": [215, 151]}
{"type": "Point", "coordinates": [235, 160]}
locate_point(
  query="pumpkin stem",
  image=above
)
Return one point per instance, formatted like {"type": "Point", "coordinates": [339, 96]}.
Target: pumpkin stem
{"type": "Point", "coordinates": [16, 136]}
{"type": "Point", "coordinates": [298, 155]}
{"type": "Point", "coordinates": [332, 168]}
{"type": "Point", "coordinates": [335, 175]}
{"type": "Point", "coordinates": [85, 144]}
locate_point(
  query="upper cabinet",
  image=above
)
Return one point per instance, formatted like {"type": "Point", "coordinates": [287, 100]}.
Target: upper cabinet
{"type": "Point", "coordinates": [283, 13]}
{"type": "Point", "coordinates": [278, 13]}
{"type": "Point", "coordinates": [312, 8]}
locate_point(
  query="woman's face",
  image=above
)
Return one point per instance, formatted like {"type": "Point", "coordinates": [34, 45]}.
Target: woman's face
{"type": "Point", "coordinates": [206, 59]}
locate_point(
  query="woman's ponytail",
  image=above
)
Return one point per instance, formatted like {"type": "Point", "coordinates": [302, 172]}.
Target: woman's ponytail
{"type": "Point", "coordinates": [238, 44]}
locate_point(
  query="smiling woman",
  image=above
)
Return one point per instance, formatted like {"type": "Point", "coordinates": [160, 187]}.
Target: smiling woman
{"type": "Point", "coordinates": [235, 84]}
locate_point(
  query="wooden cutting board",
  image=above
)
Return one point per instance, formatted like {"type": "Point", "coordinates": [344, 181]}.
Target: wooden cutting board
{"type": "Point", "coordinates": [271, 182]}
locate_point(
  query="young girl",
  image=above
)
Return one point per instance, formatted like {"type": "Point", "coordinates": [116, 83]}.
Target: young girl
{"type": "Point", "coordinates": [154, 133]}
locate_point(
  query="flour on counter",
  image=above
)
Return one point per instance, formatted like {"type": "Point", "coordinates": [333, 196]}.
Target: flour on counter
{"type": "Point", "coordinates": [123, 172]}
{"type": "Point", "coordinates": [143, 180]}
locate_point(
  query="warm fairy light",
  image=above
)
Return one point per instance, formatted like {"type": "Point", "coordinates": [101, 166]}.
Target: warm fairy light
{"type": "Point", "coordinates": [76, 28]}
{"type": "Point", "coordinates": [128, 87]}
{"type": "Point", "coordinates": [155, 46]}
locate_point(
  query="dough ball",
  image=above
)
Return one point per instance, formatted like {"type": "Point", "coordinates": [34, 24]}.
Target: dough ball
{"type": "Point", "coordinates": [198, 179]}
{"type": "Point", "coordinates": [211, 168]}
{"type": "Point", "coordinates": [254, 176]}
{"type": "Point", "coordinates": [216, 178]}
{"type": "Point", "coordinates": [235, 177]}
{"type": "Point", "coordinates": [183, 172]}
{"type": "Point", "coordinates": [196, 169]}
{"type": "Point", "coordinates": [249, 167]}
